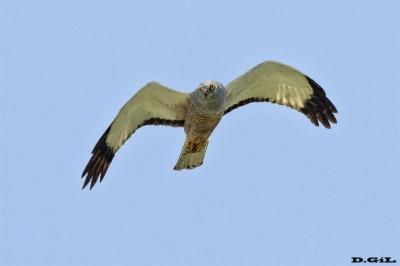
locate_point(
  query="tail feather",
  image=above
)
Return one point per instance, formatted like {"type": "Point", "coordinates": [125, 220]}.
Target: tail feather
{"type": "Point", "coordinates": [189, 160]}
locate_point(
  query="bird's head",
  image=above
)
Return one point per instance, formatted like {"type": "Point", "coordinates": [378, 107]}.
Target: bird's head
{"type": "Point", "coordinates": [210, 94]}
{"type": "Point", "coordinates": [210, 88]}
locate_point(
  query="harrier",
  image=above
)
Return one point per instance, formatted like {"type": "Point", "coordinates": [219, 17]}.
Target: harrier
{"type": "Point", "coordinates": [200, 111]}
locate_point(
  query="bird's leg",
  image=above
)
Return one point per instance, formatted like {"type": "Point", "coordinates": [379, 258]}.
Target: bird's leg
{"type": "Point", "coordinates": [191, 146]}
{"type": "Point", "coordinates": [195, 147]}
{"type": "Point", "coordinates": [199, 145]}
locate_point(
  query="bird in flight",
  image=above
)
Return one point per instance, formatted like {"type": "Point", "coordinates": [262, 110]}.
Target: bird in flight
{"type": "Point", "coordinates": [200, 111]}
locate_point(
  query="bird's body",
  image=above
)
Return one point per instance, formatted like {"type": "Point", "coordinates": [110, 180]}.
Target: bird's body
{"type": "Point", "coordinates": [204, 109]}
{"type": "Point", "coordinates": [200, 112]}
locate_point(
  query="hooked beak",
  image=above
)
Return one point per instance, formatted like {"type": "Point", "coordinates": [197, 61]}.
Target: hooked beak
{"type": "Point", "coordinates": [204, 92]}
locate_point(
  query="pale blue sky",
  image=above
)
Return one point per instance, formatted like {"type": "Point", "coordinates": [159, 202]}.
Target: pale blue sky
{"type": "Point", "coordinates": [273, 189]}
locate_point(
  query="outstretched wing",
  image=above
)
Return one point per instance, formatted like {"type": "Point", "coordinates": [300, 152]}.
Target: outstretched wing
{"type": "Point", "coordinates": [154, 104]}
{"type": "Point", "coordinates": [278, 83]}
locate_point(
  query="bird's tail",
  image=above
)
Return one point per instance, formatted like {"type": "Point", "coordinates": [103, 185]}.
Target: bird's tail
{"type": "Point", "coordinates": [191, 157]}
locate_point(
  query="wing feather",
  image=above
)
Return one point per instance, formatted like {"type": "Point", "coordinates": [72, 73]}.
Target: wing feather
{"type": "Point", "coordinates": [278, 83]}
{"type": "Point", "coordinates": [154, 104]}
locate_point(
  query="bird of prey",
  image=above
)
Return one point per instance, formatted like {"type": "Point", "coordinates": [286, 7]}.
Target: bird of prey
{"type": "Point", "coordinates": [200, 111]}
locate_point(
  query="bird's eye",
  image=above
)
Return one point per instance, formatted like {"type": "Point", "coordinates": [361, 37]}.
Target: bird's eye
{"type": "Point", "coordinates": [199, 89]}
{"type": "Point", "coordinates": [212, 87]}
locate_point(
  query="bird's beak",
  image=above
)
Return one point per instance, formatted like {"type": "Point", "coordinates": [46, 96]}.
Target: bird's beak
{"type": "Point", "coordinates": [205, 92]}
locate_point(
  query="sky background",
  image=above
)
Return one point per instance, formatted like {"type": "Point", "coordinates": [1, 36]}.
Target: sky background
{"type": "Point", "coordinates": [273, 189]}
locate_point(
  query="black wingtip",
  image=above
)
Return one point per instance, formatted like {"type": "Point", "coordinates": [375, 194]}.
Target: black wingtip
{"type": "Point", "coordinates": [98, 164]}
{"type": "Point", "coordinates": [319, 108]}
